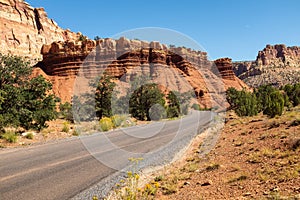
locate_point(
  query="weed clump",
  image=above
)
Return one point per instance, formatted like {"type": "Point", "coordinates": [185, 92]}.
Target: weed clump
{"type": "Point", "coordinates": [10, 136]}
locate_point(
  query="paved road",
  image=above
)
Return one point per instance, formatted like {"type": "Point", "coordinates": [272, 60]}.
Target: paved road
{"type": "Point", "coordinates": [64, 169]}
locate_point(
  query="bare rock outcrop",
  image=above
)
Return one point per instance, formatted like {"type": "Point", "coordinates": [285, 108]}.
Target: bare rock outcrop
{"type": "Point", "coordinates": [225, 67]}
{"type": "Point", "coordinates": [25, 29]}
{"type": "Point", "coordinates": [279, 55]}
{"type": "Point", "coordinates": [275, 64]}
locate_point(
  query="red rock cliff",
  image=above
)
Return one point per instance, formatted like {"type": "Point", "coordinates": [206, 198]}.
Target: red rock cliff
{"type": "Point", "coordinates": [25, 29]}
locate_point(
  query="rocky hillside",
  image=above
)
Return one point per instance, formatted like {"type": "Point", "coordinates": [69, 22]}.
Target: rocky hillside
{"type": "Point", "coordinates": [277, 65]}
{"type": "Point", "coordinates": [254, 158]}
{"type": "Point", "coordinates": [25, 29]}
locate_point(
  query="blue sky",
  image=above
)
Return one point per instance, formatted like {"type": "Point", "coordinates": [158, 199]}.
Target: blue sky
{"type": "Point", "coordinates": [224, 28]}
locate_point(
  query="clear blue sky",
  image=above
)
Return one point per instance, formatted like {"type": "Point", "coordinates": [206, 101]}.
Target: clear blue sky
{"type": "Point", "coordinates": [224, 28]}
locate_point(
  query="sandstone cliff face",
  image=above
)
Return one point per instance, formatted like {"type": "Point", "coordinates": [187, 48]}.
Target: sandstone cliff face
{"type": "Point", "coordinates": [125, 59]}
{"type": "Point", "coordinates": [277, 65]}
{"type": "Point", "coordinates": [174, 68]}
{"type": "Point", "coordinates": [25, 29]}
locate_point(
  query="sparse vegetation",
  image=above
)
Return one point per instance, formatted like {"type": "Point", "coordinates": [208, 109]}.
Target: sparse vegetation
{"type": "Point", "coordinates": [238, 178]}
{"type": "Point", "coordinates": [10, 136]}
{"type": "Point", "coordinates": [129, 188]}
{"type": "Point", "coordinates": [257, 154]}
{"type": "Point", "coordinates": [29, 136]}
{"type": "Point", "coordinates": [212, 167]}
{"type": "Point", "coordinates": [106, 124]}
{"type": "Point", "coordinates": [66, 127]}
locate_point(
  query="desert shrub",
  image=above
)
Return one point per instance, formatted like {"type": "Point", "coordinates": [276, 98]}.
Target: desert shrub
{"type": "Point", "coordinates": [244, 103]}
{"type": "Point", "coordinates": [29, 136]}
{"type": "Point", "coordinates": [196, 106]}
{"type": "Point", "coordinates": [10, 136]}
{"type": "Point", "coordinates": [66, 127]}
{"type": "Point", "coordinates": [118, 120]}
{"type": "Point", "coordinates": [65, 111]}
{"type": "Point", "coordinates": [293, 92]}
{"type": "Point", "coordinates": [106, 124]}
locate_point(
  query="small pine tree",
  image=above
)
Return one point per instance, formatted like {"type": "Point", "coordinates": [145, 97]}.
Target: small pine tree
{"type": "Point", "coordinates": [173, 109]}
{"type": "Point", "coordinates": [103, 96]}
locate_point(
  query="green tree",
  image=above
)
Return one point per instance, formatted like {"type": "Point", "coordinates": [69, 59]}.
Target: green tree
{"type": "Point", "coordinates": [275, 104]}
{"type": "Point", "coordinates": [24, 101]}
{"type": "Point", "coordinates": [103, 96]}
{"type": "Point", "coordinates": [262, 94]}
{"type": "Point", "coordinates": [173, 109]}
{"type": "Point", "coordinates": [143, 99]}
{"type": "Point", "coordinates": [293, 92]}
{"type": "Point", "coordinates": [65, 111]}
{"type": "Point", "coordinates": [232, 96]}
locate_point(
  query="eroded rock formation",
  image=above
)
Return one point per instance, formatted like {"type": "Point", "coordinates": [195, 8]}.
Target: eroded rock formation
{"type": "Point", "coordinates": [174, 68]}
{"type": "Point", "coordinates": [124, 59]}
{"type": "Point", "coordinates": [25, 29]}
{"type": "Point", "coordinates": [275, 64]}
{"type": "Point", "coordinates": [279, 55]}
{"type": "Point", "coordinates": [224, 66]}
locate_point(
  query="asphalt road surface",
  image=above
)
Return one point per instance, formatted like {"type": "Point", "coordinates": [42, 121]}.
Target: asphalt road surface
{"type": "Point", "coordinates": [64, 169]}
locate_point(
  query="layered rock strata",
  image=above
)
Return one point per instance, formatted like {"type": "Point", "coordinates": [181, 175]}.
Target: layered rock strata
{"type": "Point", "coordinates": [24, 30]}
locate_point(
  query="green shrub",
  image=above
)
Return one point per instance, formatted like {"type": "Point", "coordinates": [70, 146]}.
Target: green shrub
{"type": "Point", "coordinates": [76, 132]}
{"type": "Point", "coordinates": [65, 111]}
{"type": "Point", "coordinates": [10, 137]}
{"type": "Point", "coordinates": [106, 124]}
{"type": "Point", "coordinates": [275, 104]}
{"type": "Point", "coordinates": [244, 103]}
{"type": "Point", "coordinates": [196, 106]}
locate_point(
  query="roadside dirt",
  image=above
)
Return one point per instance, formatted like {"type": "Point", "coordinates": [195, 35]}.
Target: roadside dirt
{"type": "Point", "coordinates": [254, 158]}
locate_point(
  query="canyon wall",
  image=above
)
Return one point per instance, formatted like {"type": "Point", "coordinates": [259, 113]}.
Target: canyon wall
{"type": "Point", "coordinates": [124, 60]}
{"type": "Point", "coordinates": [61, 57]}
{"type": "Point", "coordinates": [25, 29]}
{"type": "Point", "coordinates": [174, 68]}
